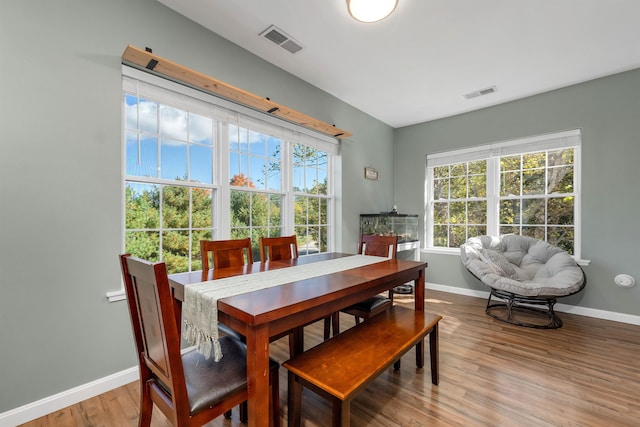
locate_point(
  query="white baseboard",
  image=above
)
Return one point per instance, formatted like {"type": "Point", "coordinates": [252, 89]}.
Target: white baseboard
{"type": "Point", "coordinates": [562, 308]}
{"type": "Point", "coordinates": [66, 398]}
{"type": "Point", "coordinates": [61, 400]}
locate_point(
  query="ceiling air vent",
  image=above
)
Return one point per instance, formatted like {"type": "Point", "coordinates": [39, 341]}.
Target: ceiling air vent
{"type": "Point", "coordinates": [281, 38]}
{"type": "Point", "coordinates": [480, 92]}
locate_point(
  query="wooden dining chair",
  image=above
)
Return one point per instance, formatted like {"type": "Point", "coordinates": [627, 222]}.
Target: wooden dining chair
{"type": "Point", "coordinates": [226, 253]}
{"type": "Point", "coordinates": [278, 248]}
{"type": "Point", "coordinates": [374, 245]}
{"type": "Point", "coordinates": [189, 389]}
{"type": "Point", "coordinates": [283, 248]}
{"type": "Point", "coordinates": [235, 253]}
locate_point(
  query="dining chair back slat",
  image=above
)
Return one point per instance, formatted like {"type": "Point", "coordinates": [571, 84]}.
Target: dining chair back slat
{"type": "Point", "coordinates": [226, 253]}
{"type": "Point", "coordinates": [278, 248]}
{"type": "Point", "coordinates": [385, 246]}
{"type": "Point", "coordinates": [372, 245]}
{"type": "Point", "coordinates": [284, 248]}
{"type": "Point", "coordinates": [188, 388]}
{"type": "Point", "coordinates": [155, 329]}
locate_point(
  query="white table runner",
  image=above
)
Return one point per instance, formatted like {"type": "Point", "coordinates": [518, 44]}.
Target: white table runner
{"type": "Point", "coordinates": [200, 306]}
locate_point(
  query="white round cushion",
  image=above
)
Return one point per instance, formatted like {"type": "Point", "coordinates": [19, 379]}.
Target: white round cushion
{"type": "Point", "coordinates": [522, 265]}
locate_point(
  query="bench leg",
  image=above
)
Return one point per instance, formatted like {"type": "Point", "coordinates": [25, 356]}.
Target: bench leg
{"type": "Point", "coordinates": [433, 349]}
{"type": "Point", "coordinates": [294, 396]}
{"type": "Point", "coordinates": [340, 411]}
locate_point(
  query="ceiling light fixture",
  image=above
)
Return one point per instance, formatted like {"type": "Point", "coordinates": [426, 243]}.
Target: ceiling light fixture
{"type": "Point", "coordinates": [371, 10]}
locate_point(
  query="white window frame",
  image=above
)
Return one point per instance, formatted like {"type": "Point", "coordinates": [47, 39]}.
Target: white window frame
{"type": "Point", "coordinates": [226, 112]}
{"type": "Point", "coordinates": [492, 153]}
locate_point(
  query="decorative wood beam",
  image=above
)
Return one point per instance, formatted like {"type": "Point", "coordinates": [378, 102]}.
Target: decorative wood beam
{"type": "Point", "coordinates": [145, 59]}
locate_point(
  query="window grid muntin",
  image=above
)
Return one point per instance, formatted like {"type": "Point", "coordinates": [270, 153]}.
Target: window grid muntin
{"type": "Point", "coordinates": [273, 224]}
{"type": "Point", "coordinates": [185, 138]}
{"type": "Point", "coordinates": [457, 179]}
{"type": "Point", "coordinates": [540, 229]}
{"type": "Point", "coordinates": [220, 129]}
{"type": "Point", "coordinates": [493, 185]}
{"type": "Point", "coordinates": [311, 197]}
{"type": "Point", "coordinates": [244, 157]}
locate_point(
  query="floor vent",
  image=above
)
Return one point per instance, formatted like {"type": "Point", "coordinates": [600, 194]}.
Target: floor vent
{"type": "Point", "coordinates": [480, 92]}
{"type": "Point", "coordinates": [281, 38]}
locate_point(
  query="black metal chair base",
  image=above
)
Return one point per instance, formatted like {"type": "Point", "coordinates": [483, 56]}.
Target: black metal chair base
{"type": "Point", "coordinates": [512, 304]}
{"type": "Point", "coordinates": [403, 289]}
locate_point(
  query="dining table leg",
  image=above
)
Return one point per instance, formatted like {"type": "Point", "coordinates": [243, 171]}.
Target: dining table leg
{"type": "Point", "coordinates": [418, 288]}
{"type": "Point", "coordinates": [258, 375]}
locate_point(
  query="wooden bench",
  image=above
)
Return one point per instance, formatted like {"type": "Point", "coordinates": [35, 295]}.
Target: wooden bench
{"type": "Point", "coordinates": [341, 367]}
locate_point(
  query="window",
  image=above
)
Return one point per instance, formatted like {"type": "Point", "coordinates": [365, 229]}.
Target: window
{"type": "Point", "coordinates": [256, 208]}
{"type": "Point", "coordinates": [528, 187]}
{"type": "Point", "coordinates": [460, 202]}
{"type": "Point", "coordinates": [197, 167]}
{"type": "Point", "coordinates": [255, 176]}
{"type": "Point", "coordinates": [311, 188]}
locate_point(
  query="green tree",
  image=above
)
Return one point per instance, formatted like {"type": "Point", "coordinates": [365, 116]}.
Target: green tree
{"type": "Point", "coordinates": [186, 218]}
{"type": "Point", "coordinates": [142, 219]}
{"type": "Point", "coordinates": [253, 214]}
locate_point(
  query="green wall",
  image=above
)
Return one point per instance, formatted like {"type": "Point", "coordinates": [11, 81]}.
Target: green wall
{"type": "Point", "coordinates": [607, 110]}
{"type": "Point", "coordinates": [60, 174]}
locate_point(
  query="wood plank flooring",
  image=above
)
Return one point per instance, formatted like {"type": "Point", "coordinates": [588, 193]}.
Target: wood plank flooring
{"type": "Point", "coordinates": [586, 373]}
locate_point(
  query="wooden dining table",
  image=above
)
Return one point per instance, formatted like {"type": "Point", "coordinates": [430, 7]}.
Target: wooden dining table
{"type": "Point", "coordinates": [262, 314]}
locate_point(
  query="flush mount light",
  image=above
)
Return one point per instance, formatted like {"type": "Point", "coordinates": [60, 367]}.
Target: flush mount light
{"type": "Point", "coordinates": [371, 10]}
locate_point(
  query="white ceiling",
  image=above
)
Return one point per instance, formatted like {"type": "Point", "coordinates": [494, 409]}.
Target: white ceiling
{"type": "Point", "coordinates": [417, 64]}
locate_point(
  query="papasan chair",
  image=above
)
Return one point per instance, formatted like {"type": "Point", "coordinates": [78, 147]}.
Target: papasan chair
{"type": "Point", "coordinates": [525, 274]}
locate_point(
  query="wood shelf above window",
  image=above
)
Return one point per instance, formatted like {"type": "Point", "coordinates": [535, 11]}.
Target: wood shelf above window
{"type": "Point", "coordinates": [146, 60]}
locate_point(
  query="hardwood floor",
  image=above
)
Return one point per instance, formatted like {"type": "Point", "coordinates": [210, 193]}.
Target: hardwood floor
{"type": "Point", "coordinates": [586, 373]}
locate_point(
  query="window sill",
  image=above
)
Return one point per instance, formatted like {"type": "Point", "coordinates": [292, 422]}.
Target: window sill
{"type": "Point", "coordinates": [441, 251]}
{"type": "Point", "coordinates": [116, 296]}
{"type": "Point", "coordinates": [456, 251]}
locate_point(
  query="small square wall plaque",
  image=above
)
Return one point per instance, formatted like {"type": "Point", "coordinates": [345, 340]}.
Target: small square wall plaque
{"type": "Point", "coordinates": [370, 173]}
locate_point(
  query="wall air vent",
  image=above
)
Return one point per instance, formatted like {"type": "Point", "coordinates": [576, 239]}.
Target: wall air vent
{"type": "Point", "coordinates": [281, 38]}
{"type": "Point", "coordinates": [481, 92]}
